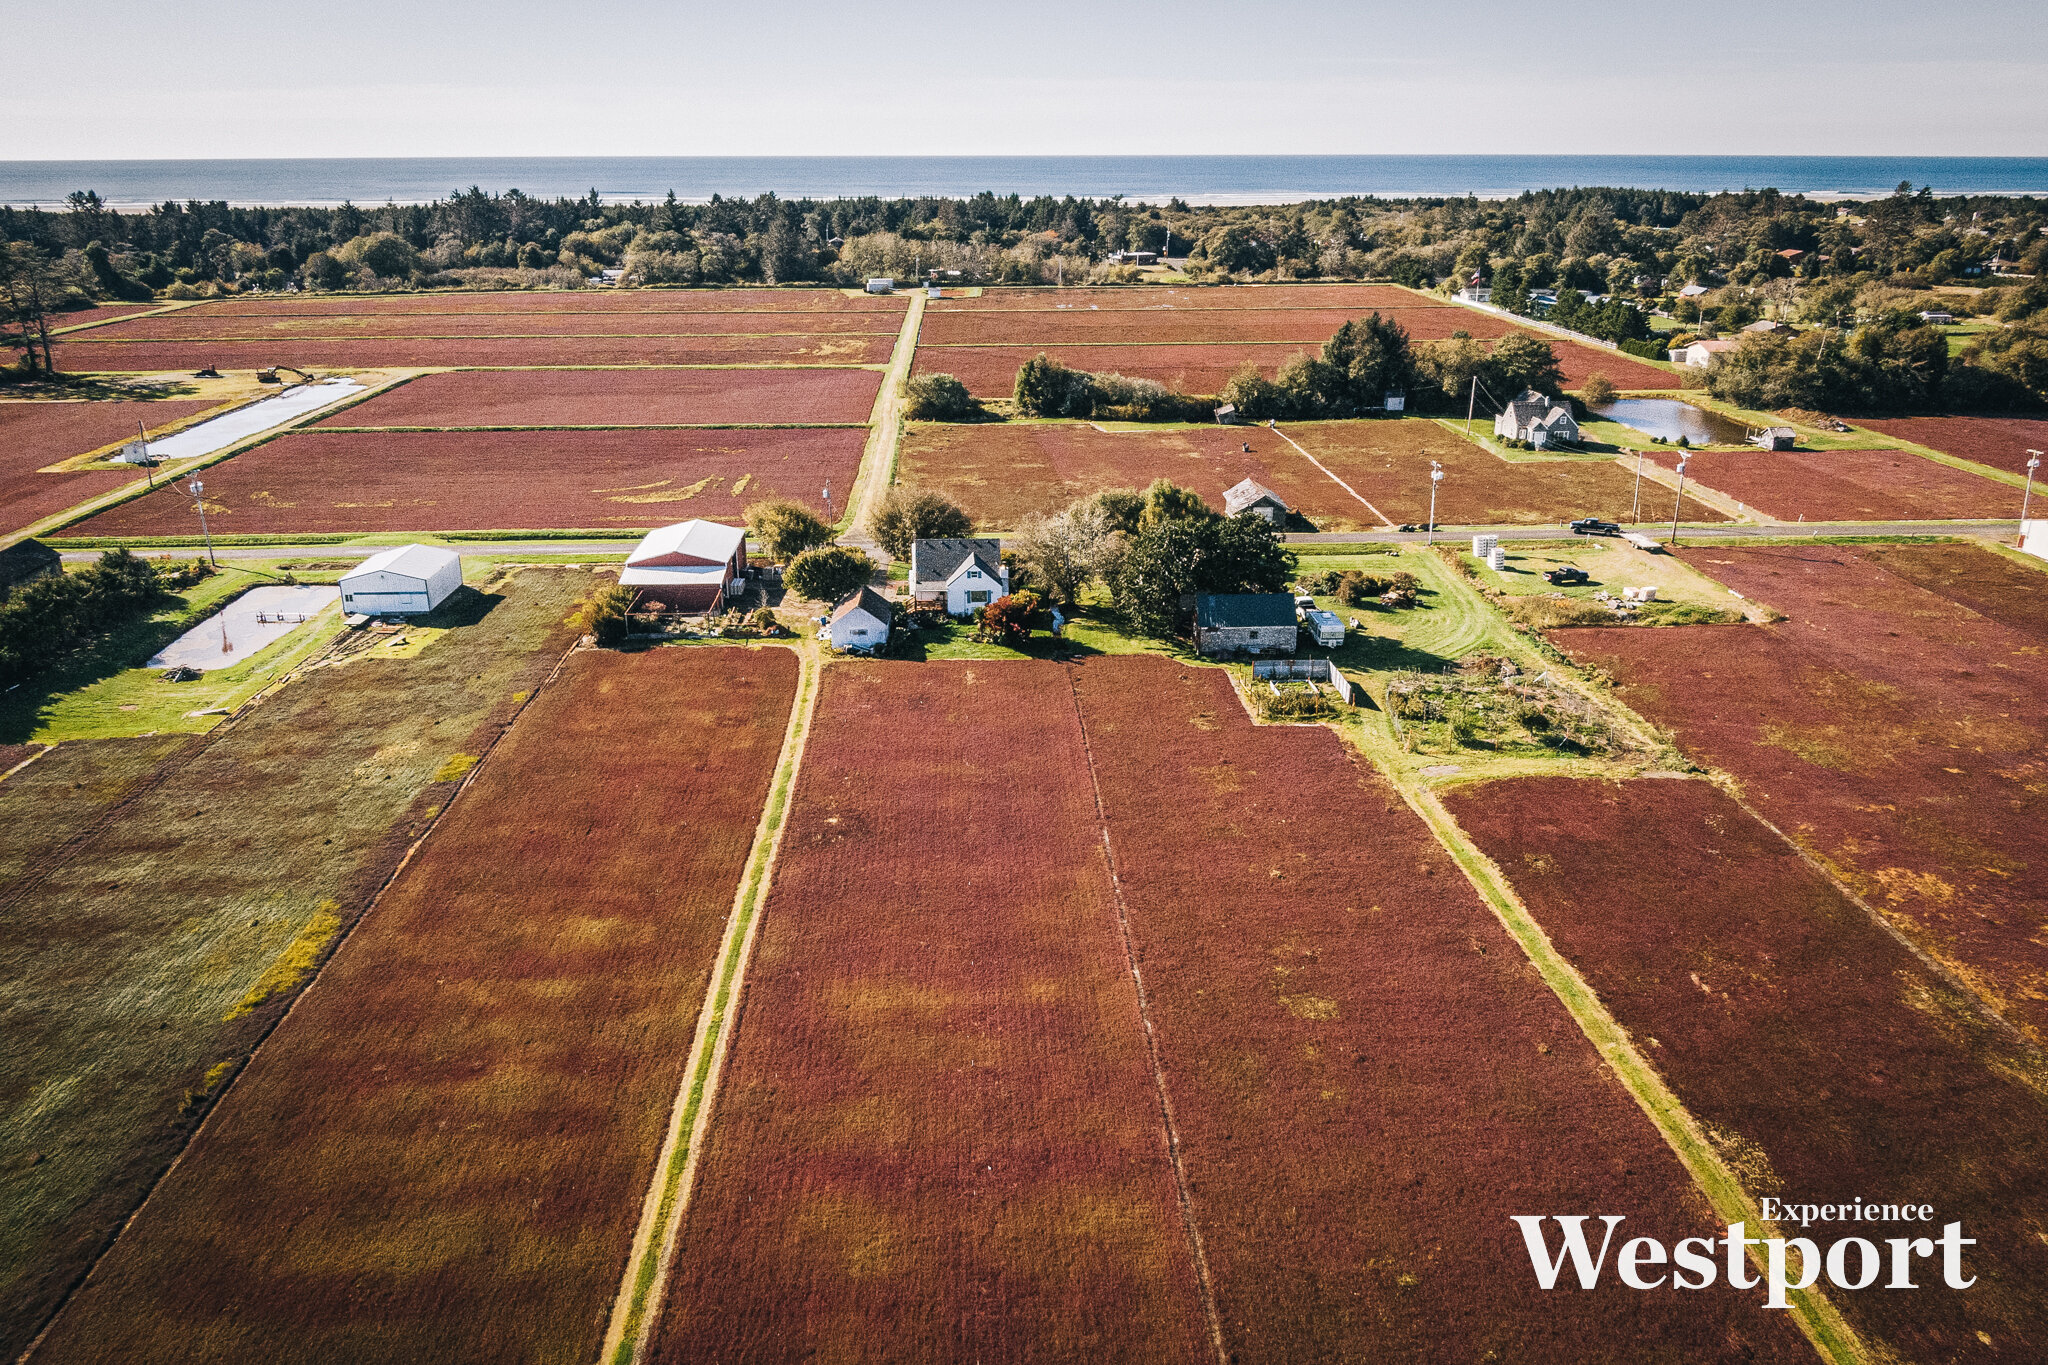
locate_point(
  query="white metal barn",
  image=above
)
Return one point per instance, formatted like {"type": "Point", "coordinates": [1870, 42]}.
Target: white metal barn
{"type": "Point", "coordinates": [402, 582]}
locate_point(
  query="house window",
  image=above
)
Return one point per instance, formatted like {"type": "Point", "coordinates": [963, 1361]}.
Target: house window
{"type": "Point", "coordinates": [859, 634]}
{"type": "Point", "coordinates": [977, 597]}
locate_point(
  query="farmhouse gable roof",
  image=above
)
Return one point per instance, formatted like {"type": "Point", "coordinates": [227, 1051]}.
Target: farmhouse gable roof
{"type": "Point", "coordinates": [938, 560]}
{"type": "Point", "coordinates": [1250, 494]}
{"type": "Point", "coordinates": [865, 600]}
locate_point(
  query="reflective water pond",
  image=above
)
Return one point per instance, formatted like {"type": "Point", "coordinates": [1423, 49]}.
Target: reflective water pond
{"type": "Point", "coordinates": [1671, 419]}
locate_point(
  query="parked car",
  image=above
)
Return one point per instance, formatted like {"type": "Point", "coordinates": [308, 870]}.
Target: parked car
{"type": "Point", "coordinates": [1566, 574]}
{"type": "Point", "coordinates": [1593, 526]}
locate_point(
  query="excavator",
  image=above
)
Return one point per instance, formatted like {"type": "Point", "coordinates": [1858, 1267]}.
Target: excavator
{"type": "Point", "coordinates": [269, 376]}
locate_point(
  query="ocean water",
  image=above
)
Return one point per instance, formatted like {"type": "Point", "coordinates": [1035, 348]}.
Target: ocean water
{"type": "Point", "coordinates": [1197, 179]}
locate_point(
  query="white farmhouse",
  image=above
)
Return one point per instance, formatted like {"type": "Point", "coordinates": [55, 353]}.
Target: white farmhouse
{"type": "Point", "coordinates": [402, 582]}
{"type": "Point", "coordinates": [1700, 354]}
{"type": "Point", "coordinates": [1532, 417]}
{"type": "Point", "coordinates": [966, 573]}
{"type": "Point", "coordinates": [860, 621]}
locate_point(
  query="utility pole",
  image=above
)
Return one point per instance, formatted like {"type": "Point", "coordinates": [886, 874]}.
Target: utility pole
{"type": "Point", "coordinates": [828, 502]}
{"type": "Point", "coordinates": [198, 490]}
{"type": "Point", "coordinates": [1471, 405]}
{"type": "Point", "coordinates": [2033, 463]}
{"type": "Point", "coordinates": [1680, 499]}
{"type": "Point", "coordinates": [148, 468]}
{"type": "Point", "coordinates": [1436, 476]}
{"type": "Point", "coordinates": [1635, 513]}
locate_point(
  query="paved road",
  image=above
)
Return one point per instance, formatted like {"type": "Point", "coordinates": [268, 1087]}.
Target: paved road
{"type": "Point", "coordinates": [1992, 530]}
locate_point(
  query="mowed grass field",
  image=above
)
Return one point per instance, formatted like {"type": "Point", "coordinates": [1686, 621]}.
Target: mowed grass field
{"type": "Point", "coordinates": [374, 481]}
{"type": "Point", "coordinates": [166, 898]}
{"type": "Point", "coordinates": [442, 1153]}
{"type": "Point", "coordinates": [1893, 727]}
{"type": "Point", "coordinates": [37, 434]}
{"type": "Point", "coordinates": [939, 1136]}
{"type": "Point", "coordinates": [1846, 485]}
{"type": "Point", "coordinates": [1820, 1056]}
{"type": "Point", "coordinates": [1004, 472]}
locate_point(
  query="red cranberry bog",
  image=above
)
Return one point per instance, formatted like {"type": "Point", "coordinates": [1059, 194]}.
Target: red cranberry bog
{"type": "Point", "coordinates": [442, 1152]}
{"type": "Point", "coordinates": [450, 353]}
{"type": "Point", "coordinates": [1846, 485]}
{"type": "Point", "coordinates": [1367, 1077]}
{"type": "Point", "coordinates": [1998, 442]}
{"type": "Point", "coordinates": [1893, 727]}
{"type": "Point", "coordinates": [343, 482]}
{"type": "Point", "coordinates": [1824, 1060]}
{"type": "Point", "coordinates": [37, 435]}
{"type": "Point", "coordinates": [939, 1138]}
{"type": "Point", "coordinates": [1337, 476]}
{"type": "Point", "coordinates": [469, 399]}
{"type": "Point", "coordinates": [942, 1135]}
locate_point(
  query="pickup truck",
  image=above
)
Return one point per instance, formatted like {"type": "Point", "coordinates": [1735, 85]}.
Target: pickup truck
{"type": "Point", "coordinates": [1566, 574]}
{"type": "Point", "coordinates": [1325, 627]}
{"type": "Point", "coordinates": [1593, 526]}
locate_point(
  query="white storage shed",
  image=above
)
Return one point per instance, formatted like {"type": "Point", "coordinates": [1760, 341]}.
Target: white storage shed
{"type": "Point", "coordinates": [402, 582]}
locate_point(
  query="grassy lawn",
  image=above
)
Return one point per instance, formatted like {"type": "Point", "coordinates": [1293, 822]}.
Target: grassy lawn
{"type": "Point", "coordinates": [1611, 566]}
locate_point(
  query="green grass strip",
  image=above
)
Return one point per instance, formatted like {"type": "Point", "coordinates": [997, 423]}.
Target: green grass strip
{"type": "Point", "coordinates": [640, 1297]}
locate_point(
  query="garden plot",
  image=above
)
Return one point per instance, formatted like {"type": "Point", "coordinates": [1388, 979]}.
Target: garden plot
{"type": "Point", "coordinates": [247, 626]}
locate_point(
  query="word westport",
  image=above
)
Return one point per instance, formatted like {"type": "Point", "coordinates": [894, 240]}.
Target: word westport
{"type": "Point", "coordinates": [1851, 1262]}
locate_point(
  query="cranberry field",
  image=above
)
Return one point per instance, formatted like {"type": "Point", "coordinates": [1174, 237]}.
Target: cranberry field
{"type": "Point", "coordinates": [619, 398]}
{"type": "Point", "coordinates": [362, 482]}
{"type": "Point", "coordinates": [34, 435]}
{"type": "Point", "coordinates": [2000, 442]}
{"type": "Point", "coordinates": [442, 1152]}
{"type": "Point", "coordinates": [1822, 1058]}
{"type": "Point", "coordinates": [1846, 485]}
{"type": "Point", "coordinates": [1893, 727]}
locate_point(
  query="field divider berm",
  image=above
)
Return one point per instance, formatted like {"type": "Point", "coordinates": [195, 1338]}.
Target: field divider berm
{"type": "Point", "coordinates": [1817, 1317]}
{"type": "Point", "coordinates": [885, 425]}
{"type": "Point", "coordinates": [638, 1305]}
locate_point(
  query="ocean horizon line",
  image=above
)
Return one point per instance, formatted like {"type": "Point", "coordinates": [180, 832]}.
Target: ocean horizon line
{"type": "Point", "coordinates": [1219, 179]}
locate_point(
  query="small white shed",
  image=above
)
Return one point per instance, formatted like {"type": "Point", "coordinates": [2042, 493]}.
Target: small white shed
{"type": "Point", "coordinates": [860, 621]}
{"type": "Point", "coordinates": [402, 582]}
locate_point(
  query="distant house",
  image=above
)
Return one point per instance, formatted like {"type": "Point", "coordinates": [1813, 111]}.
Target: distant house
{"type": "Point", "coordinates": [1245, 622]}
{"type": "Point", "coordinates": [1700, 354]}
{"type": "Point", "coordinates": [1226, 415]}
{"type": "Point", "coordinates": [1692, 291]}
{"type": "Point", "coordinates": [1774, 438]}
{"type": "Point", "coordinates": [881, 285]}
{"type": "Point", "coordinates": [690, 566]}
{"type": "Point", "coordinates": [403, 582]}
{"type": "Point", "coordinates": [860, 621]}
{"type": "Point", "coordinates": [1937, 318]}
{"type": "Point", "coordinates": [1768, 328]}
{"type": "Point", "coordinates": [1133, 258]}
{"type": "Point", "coordinates": [25, 561]}
{"type": "Point", "coordinates": [965, 573]}
{"type": "Point", "coordinates": [1792, 254]}
{"type": "Point", "coordinates": [1534, 418]}
{"type": "Point", "coordinates": [1253, 497]}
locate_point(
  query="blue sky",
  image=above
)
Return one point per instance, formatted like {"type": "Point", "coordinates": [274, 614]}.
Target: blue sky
{"type": "Point", "coordinates": [124, 78]}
